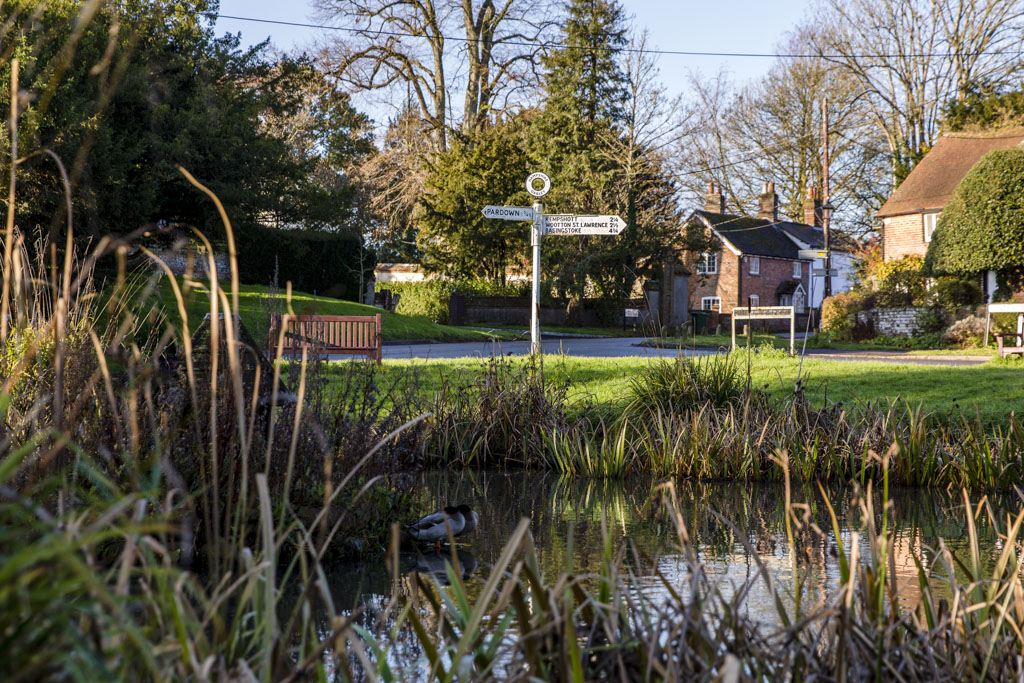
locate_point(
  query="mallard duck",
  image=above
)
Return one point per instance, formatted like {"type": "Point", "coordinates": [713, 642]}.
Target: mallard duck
{"type": "Point", "coordinates": [470, 517]}
{"type": "Point", "coordinates": [434, 527]}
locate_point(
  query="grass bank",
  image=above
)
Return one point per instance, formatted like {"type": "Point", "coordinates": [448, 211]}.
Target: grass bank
{"type": "Point", "coordinates": [991, 390]}
{"type": "Point", "coordinates": [256, 302]}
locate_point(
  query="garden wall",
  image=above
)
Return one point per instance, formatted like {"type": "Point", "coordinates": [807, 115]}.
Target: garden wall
{"type": "Point", "coordinates": [895, 322]}
{"type": "Point", "coordinates": [177, 261]}
{"type": "Point", "coordinates": [515, 310]}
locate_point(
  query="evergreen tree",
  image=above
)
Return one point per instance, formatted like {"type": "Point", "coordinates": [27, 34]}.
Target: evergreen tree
{"type": "Point", "coordinates": [982, 226]}
{"type": "Point", "coordinates": [486, 167]}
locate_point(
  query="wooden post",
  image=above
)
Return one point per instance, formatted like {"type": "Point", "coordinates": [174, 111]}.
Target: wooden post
{"type": "Point", "coordinates": [792, 330]}
{"type": "Point", "coordinates": [733, 317]}
{"type": "Point", "coordinates": [988, 321]}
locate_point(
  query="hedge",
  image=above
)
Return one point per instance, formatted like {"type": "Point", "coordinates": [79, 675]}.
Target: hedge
{"type": "Point", "coordinates": [322, 263]}
{"type": "Point", "coordinates": [430, 297]}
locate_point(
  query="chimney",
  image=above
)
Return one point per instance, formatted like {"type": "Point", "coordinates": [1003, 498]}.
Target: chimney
{"type": "Point", "coordinates": [714, 201]}
{"type": "Point", "coordinates": [812, 207]}
{"type": "Point", "coordinates": [768, 202]}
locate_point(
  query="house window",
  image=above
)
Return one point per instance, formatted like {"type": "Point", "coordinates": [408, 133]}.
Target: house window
{"type": "Point", "coordinates": [930, 219]}
{"type": "Point", "coordinates": [711, 303]}
{"type": "Point", "coordinates": [798, 270]}
{"type": "Point", "coordinates": [755, 265]}
{"type": "Point", "coordinates": [754, 300]}
{"type": "Point", "coordinates": [708, 264]}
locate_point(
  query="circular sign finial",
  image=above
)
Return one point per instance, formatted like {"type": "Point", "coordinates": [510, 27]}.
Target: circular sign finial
{"type": "Point", "coordinates": [531, 182]}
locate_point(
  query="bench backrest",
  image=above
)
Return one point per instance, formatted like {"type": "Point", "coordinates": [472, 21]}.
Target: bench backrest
{"type": "Point", "coordinates": [330, 333]}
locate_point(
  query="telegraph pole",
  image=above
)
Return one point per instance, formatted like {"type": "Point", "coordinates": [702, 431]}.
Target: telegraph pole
{"type": "Point", "coordinates": [826, 207]}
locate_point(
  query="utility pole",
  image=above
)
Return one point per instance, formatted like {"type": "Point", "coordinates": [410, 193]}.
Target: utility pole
{"type": "Point", "coordinates": [826, 207]}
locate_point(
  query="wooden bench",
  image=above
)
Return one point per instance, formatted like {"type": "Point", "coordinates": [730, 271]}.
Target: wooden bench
{"type": "Point", "coordinates": [351, 334]}
{"type": "Point", "coordinates": [1005, 348]}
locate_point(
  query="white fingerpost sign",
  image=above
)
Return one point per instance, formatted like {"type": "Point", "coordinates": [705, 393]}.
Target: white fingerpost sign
{"type": "Point", "coordinates": [571, 224]}
{"type": "Point", "coordinates": [538, 185]}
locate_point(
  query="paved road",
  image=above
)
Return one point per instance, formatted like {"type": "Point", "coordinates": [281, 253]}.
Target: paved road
{"type": "Point", "coordinates": [618, 347]}
{"type": "Point", "coordinates": [602, 347]}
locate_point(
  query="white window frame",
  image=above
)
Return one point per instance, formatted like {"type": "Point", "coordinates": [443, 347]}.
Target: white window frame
{"type": "Point", "coordinates": [755, 300]}
{"type": "Point", "coordinates": [929, 221]}
{"type": "Point", "coordinates": [755, 265]}
{"type": "Point", "coordinates": [798, 270]}
{"type": "Point", "coordinates": [707, 264]}
{"type": "Point", "coordinates": [711, 303]}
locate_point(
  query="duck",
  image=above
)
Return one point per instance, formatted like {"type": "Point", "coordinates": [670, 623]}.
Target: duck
{"type": "Point", "coordinates": [434, 527]}
{"type": "Point", "coordinates": [470, 517]}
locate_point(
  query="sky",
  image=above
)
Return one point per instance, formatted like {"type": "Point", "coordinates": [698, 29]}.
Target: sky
{"type": "Point", "coordinates": [749, 26]}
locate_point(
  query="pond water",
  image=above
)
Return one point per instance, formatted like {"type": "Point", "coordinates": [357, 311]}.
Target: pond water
{"type": "Point", "coordinates": [634, 514]}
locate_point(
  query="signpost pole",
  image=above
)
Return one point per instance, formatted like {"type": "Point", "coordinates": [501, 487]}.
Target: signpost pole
{"type": "Point", "coordinates": [733, 316]}
{"type": "Point", "coordinates": [792, 331]}
{"type": "Point", "coordinates": [535, 234]}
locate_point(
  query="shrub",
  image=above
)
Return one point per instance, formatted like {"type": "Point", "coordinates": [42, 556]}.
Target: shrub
{"type": "Point", "coordinates": [950, 294]}
{"type": "Point", "coordinates": [839, 315]}
{"type": "Point", "coordinates": [331, 264]}
{"type": "Point", "coordinates": [966, 334]}
{"type": "Point", "coordinates": [930, 321]}
{"type": "Point", "coordinates": [902, 282]}
{"type": "Point", "coordinates": [430, 297]}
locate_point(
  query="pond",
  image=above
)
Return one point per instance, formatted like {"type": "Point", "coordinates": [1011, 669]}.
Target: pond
{"type": "Point", "coordinates": [732, 527]}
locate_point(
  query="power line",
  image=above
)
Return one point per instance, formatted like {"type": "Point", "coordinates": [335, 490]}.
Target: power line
{"type": "Point", "coordinates": [562, 46]}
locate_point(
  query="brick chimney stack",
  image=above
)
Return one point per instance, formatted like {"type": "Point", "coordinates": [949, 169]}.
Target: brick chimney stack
{"type": "Point", "coordinates": [768, 202]}
{"type": "Point", "coordinates": [812, 207]}
{"type": "Point", "coordinates": [714, 201]}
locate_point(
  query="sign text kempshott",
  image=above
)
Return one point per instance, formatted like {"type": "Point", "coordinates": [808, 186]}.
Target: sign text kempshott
{"type": "Point", "coordinates": [573, 224]}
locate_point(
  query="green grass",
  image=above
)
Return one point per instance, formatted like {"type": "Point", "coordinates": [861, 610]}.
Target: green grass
{"type": "Point", "coordinates": [395, 326]}
{"type": "Point", "coordinates": [761, 338]}
{"type": "Point", "coordinates": [991, 390]}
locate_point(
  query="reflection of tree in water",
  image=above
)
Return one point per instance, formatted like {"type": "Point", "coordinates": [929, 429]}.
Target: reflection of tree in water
{"type": "Point", "coordinates": [631, 509]}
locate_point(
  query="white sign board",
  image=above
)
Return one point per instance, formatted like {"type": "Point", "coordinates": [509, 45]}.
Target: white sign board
{"type": "Point", "coordinates": [763, 312]}
{"type": "Point", "coordinates": [509, 213]}
{"type": "Point", "coordinates": [572, 224]}
{"type": "Point", "coordinates": [766, 313]}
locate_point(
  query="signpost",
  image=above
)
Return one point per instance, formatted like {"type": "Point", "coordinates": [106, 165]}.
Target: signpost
{"type": "Point", "coordinates": [571, 224]}
{"type": "Point", "coordinates": [822, 272]}
{"type": "Point", "coordinates": [555, 224]}
{"type": "Point", "coordinates": [766, 313]}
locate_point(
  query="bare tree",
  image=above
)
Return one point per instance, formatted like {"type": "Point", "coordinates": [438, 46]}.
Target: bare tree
{"type": "Point", "coordinates": [405, 44]}
{"type": "Point", "coordinates": [910, 57]}
{"type": "Point", "coordinates": [771, 130]}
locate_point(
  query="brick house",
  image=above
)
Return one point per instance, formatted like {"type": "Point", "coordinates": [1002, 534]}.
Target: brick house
{"type": "Point", "coordinates": [757, 261]}
{"type": "Point", "coordinates": [911, 212]}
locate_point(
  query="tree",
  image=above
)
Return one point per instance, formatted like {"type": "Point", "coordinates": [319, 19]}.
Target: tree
{"type": "Point", "coordinates": [910, 57]}
{"type": "Point", "coordinates": [983, 107]}
{"type": "Point", "coordinates": [148, 87]}
{"type": "Point", "coordinates": [585, 92]}
{"type": "Point", "coordinates": [403, 46]}
{"type": "Point", "coordinates": [485, 167]}
{"type": "Point", "coordinates": [982, 226]}
{"type": "Point", "coordinates": [772, 130]}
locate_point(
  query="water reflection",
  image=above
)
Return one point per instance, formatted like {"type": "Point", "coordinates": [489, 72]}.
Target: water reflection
{"type": "Point", "coordinates": [733, 530]}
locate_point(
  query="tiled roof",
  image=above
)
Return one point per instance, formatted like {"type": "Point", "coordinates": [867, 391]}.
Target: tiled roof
{"type": "Point", "coordinates": [755, 236]}
{"type": "Point", "coordinates": [930, 184]}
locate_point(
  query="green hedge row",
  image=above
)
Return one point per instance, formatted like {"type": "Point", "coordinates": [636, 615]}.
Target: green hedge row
{"type": "Point", "coordinates": [329, 264]}
{"type": "Point", "coordinates": [430, 297]}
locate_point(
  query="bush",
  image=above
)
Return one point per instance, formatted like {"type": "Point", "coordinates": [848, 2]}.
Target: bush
{"type": "Point", "coordinates": [931, 321]}
{"type": "Point", "coordinates": [950, 294]}
{"type": "Point", "coordinates": [966, 334]}
{"type": "Point", "coordinates": [902, 282]}
{"type": "Point", "coordinates": [839, 315]}
{"type": "Point", "coordinates": [326, 263]}
{"type": "Point", "coordinates": [931, 340]}
{"type": "Point", "coordinates": [430, 297]}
